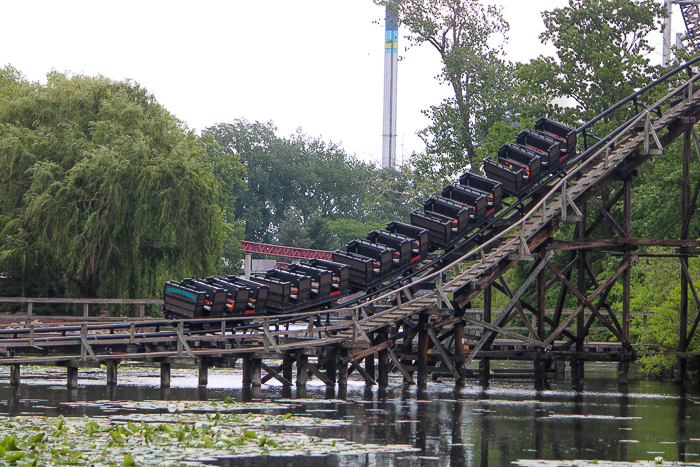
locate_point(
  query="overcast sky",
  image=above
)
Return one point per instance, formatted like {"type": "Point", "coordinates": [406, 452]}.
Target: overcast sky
{"type": "Point", "coordinates": [310, 64]}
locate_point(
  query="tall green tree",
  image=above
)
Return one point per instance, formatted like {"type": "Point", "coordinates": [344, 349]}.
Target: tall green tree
{"type": "Point", "coordinates": [103, 192]}
{"type": "Point", "coordinates": [602, 55]}
{"type": "Point", "coordinates": [469, 38]}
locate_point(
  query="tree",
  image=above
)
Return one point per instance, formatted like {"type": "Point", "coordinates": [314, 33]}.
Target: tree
{"type": "Point", "coordinates": [602, 54]}
{"type": "Point", "coordinates": [292, 180]}
{"type": "Point", "coordinates": [104, 193]}
{"type": "Point", "coordinates": [469, 38]}
{"type": "Point", "coordinates": [229, 173]}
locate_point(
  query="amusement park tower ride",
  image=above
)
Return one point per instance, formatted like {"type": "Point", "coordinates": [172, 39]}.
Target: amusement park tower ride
{"type": "Point", "coordinates": [391, 55]}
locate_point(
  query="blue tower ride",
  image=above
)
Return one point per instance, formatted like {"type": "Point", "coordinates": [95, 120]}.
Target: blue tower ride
{"type": "Point", "coordinates": [391, 60]}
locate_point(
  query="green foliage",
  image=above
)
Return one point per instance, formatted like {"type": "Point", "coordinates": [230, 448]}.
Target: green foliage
{"type": "Point", "coordinates": [602, 55]}
{"type": "Point", "coordinates": [104, 193]}
{"type": "Point", "coordinates": [306, 193]}
{"type": "Point", "coordinates": [468, 37]}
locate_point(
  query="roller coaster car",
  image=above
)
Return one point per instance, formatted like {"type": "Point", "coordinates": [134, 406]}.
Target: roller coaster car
{"type": "Point", "coordinates": [381, 254]}
{"type": "Point", "coordinates": [341, 274]}
{"type": "Point", "coordinates": [301, 283]}
{"type": "Point", "coordinates": [361, 267]}
{"type": "Point", "coordinates": [492, 188]}
{"type": "Point", "coordinates": [237, 297]}
{"type": "Point", "coordinates": [257, 293]}
{"type": "Point", "coordinates": [517, 168]}
{"type": "Point", "coordinates": [182, 302]}
{"type": "Point", "coordinates": [473, 198]}
{"type": "Point", "coordinates": [419, 235]}
{"type": "Point", "coordinates": [402, 245]}
{"type": "Point", "coordinates": [215, 302]}
{"type": "Point", "coordinates": [279, 292]}
{"type": "Point", "coordinates": [548, 147]}
{"type": "Point", "coordinates": [565, 134]}
{"type": "Point", "coordinates": [321, 279]}
{"type": "Point", "coordinates": [524, 155]}
{"type": "Point", "coordinates": [460, 213]}
{"type": "Point", "coordinates": [439, 227]}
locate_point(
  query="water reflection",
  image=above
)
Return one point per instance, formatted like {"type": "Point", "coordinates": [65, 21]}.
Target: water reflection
{"type": "Point", "coordinates": [462, 426]}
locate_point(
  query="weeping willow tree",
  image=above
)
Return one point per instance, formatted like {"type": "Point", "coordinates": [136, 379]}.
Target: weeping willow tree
{"type": "Point", "coordinates": [103, 193]}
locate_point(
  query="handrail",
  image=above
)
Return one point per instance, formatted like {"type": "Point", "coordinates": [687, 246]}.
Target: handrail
{"type": "Point", "coordinates": [633, 96]}
{"type": "Point", "coordinates": [587, 155]}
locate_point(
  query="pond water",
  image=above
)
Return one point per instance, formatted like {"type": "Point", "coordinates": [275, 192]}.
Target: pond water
{"type": "Point", "coordinates": [470, 426]}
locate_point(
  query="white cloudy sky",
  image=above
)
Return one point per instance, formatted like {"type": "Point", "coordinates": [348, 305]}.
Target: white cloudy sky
{"type": "Point", "coordinates": [314, 64]}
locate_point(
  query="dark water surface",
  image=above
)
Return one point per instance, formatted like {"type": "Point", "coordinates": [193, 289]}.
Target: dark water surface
{"type": "Point", "coordinates": [470, 426]}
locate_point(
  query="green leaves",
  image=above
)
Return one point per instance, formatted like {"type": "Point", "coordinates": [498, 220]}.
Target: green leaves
{"type": "Point", "coordinates": [108, 194]}
{"type": "Point", "coordinates": [298, 185]}
{"type": "Point", "coordinates": [469, 38]}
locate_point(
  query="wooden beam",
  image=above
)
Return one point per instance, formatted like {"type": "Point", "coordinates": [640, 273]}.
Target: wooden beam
{"type": "Point", "coordinates": [590, 306]}
{"type": "Point", "coordinates": [690, 335]}
{"type": "Point", "coordinates": [443, 354]}
{"type": "Point", "coordinates": [607, 215]}
{"type": "Point", "coordinates": [406, 375]}
{"type": "Point", "coordinates": [504, 317]}
{"type": "Point", "coordinates": [274, 373]}
{"type": "Point", "coordinates": [615, 243]}
{"type": "Point", "coordinates": [607, 207]}
{"type": "Point", "coordinates": [626, 263]}
{"type": "Point", "coordinates": [368, 379]}
{"type": "Point", "coordinates": [509, 293]}
{"type": "Point", "coordinates": [319, 374]}
{"type": "Point", "coordinates": [505, 332]}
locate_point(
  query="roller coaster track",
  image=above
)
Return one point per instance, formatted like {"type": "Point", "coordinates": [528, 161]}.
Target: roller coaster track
{"type": "Point", "coordinates": [514, 236]}
{"type": "Point", "coordinates": [620, 152]}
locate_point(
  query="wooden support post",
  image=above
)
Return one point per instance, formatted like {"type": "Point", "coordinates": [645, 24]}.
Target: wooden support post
{"type": "Point", "coordinates": [382, 360]}
{"type": "Point", "coordinates": [165, 375]}
{"type": "Point", "coordinates": [343, 372]}
{"type": "Point", "coordinates": [288, 369]}
{"type": "Point", "coordinates": [369, 362]}
{"type": "Point", "coordinates": [203, 372]}
{"type": "Point", "coordinates": [624, 366]}
{"type": "Point", "coordinates": [541, 302]}
{"type": "Point", "coordinates": [484, 363]}
{"type": "Point", "coordinates": [14, 375]}
{"type": "Point", "coordinates": [302, 371]}
{"type": "Point", "coordinates": [331, 367]}
{"type": "Point", "coordinates": [540, 364]}
{"type": "Point", "coordinates": [142, 311]}
{"type": "Point", "coordinates": [111, 372]}
{"type": "Point", "coordinates": [256, 368]}
{"type": "Point", "coordinates": [459, 338]}
{"type": "Point", "coordinates": [72, 377]}
{"type": "Point", "coordinates": [680, 373]}
{"type": "Point", "coordinates": [247, 368]}
{"type": "Point", "coordinates": [577, 365]}
{"type": "Point", "coordinates": [86, 310]}
{"type": "Point", "coordinates": [422, 362]}
{"type": "Point", "coordinates": [342, 368]}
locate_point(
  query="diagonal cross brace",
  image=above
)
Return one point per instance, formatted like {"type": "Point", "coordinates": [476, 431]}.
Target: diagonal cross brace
{"type": "Point", "coordinates": [649, 130]}
{"type": "Point", "coordinates": [566, 201]}
{"type": "Point", "coordinates": [268, 339]}
{"type": "Point", "coordinates": [181, 342]}
{"type": "Point", "coordinates": [690, 335]}
{"type": "Point", "coordinates": [85, 347]}
{"type": "Point", "coordinates": [503, 318]}
{"type": "Point", "coordinates": [587, 303]}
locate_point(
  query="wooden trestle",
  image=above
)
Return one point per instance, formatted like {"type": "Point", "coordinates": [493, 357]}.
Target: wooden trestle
{"type": "Point", "coordinates": [418, 335]}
